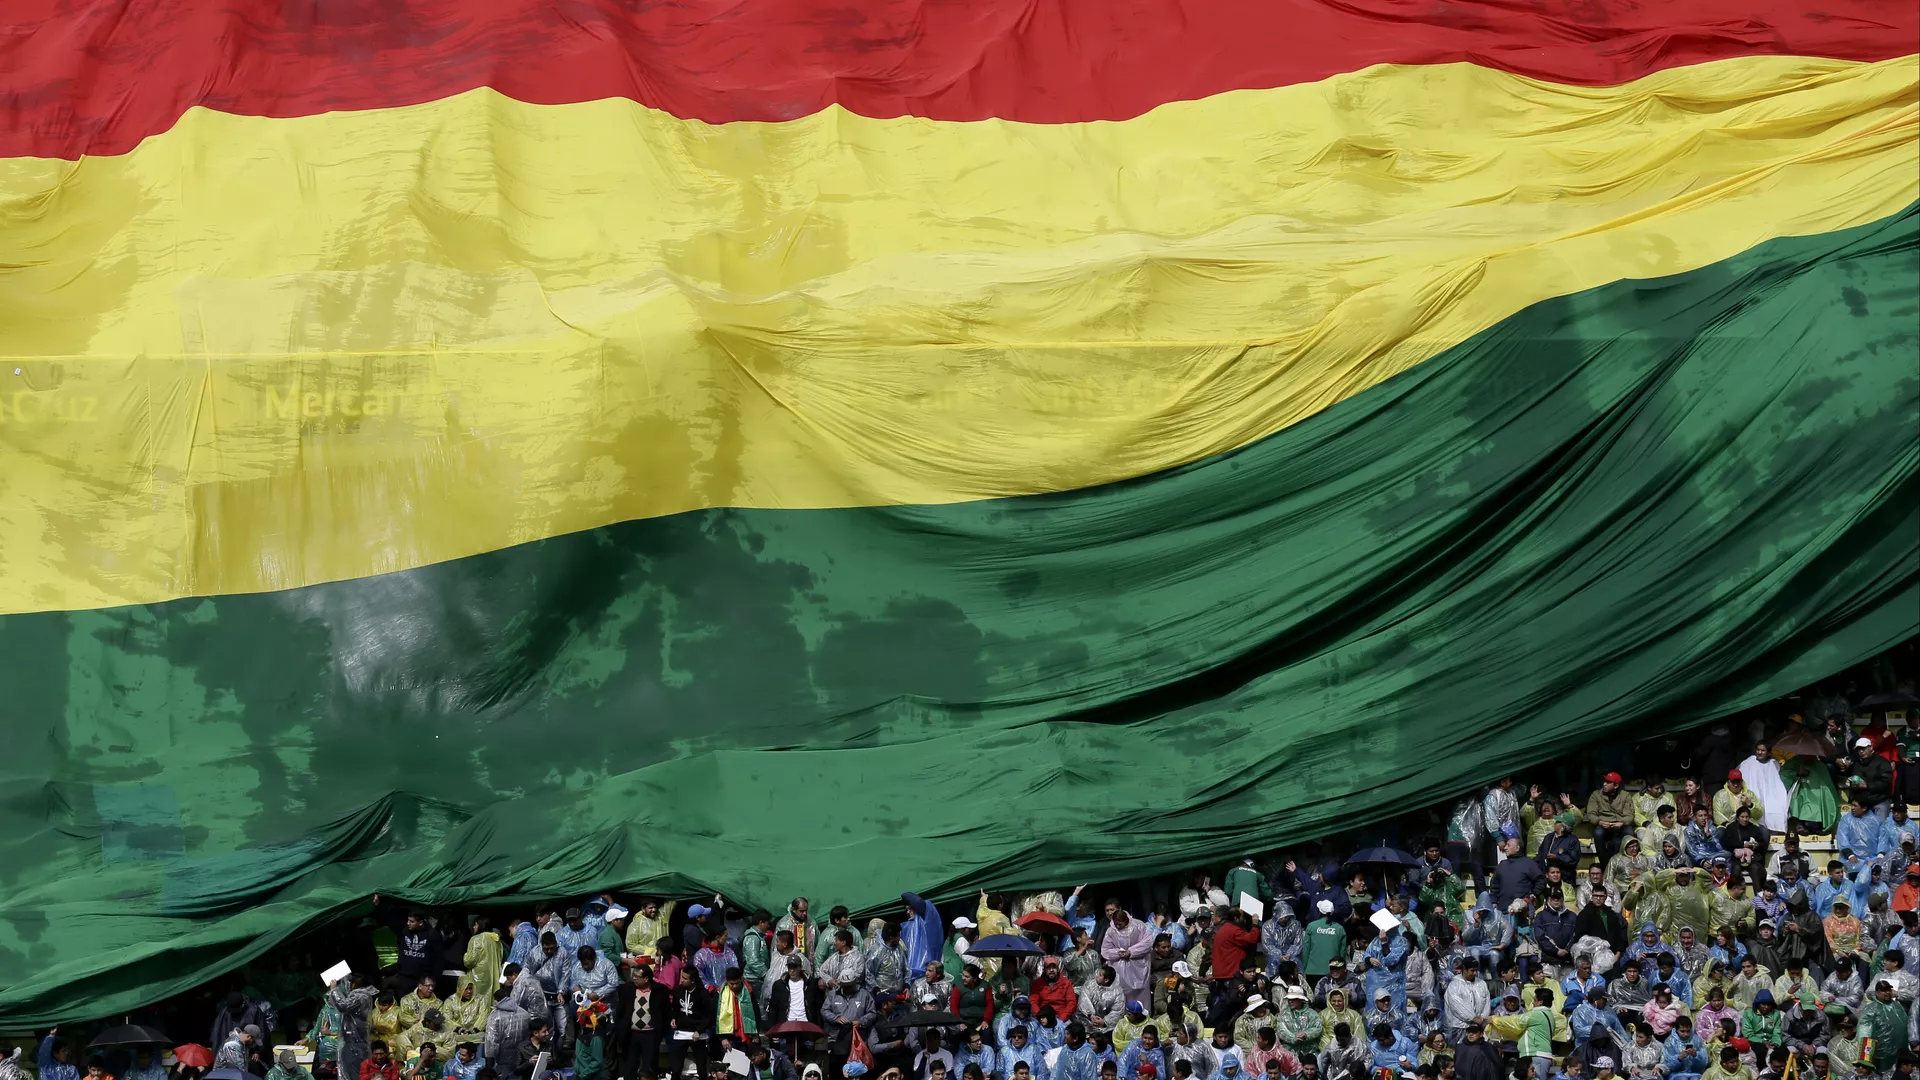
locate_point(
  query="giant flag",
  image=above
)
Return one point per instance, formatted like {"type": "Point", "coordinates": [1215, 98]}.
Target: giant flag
{"type": "Point", "coordinates": [486, 450]}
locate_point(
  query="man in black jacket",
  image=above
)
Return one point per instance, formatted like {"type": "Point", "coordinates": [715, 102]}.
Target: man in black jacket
{"type": "Point", "coordinates": [1599, 920]}
{"type": "Point", "coordinates": [1516, 878]}
{"type": "Point", "coordinates": [1871, 776]}
{"type": "Point", "coordinates": [238, 1012]}
{"type": "Point", "coordinates": [689, 1022]}
{"type": "Point", "coordinates": [1553, 930]}
{"type": "Point", "coordinates": [780, 1004]}
{"type": "Point", "coordinates": [640, 1017]}
{"type": "Point", "coordinates": [1476, 1058]}
{"type": "Point", "coordinates": [539, 1041]}
{"type": "Point", "coordinates": [421, 946]}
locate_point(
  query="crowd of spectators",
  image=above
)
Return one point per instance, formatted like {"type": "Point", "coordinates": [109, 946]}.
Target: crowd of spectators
{"type": "Point", "coordinates": [1727, 919]}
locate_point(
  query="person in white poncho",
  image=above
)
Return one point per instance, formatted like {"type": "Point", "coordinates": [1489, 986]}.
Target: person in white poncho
{"type": "Point", "coordinates": [1762, 774]}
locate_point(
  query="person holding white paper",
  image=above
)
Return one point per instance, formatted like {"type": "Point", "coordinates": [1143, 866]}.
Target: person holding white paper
{"type": "Point", "coordinates": [1387, 961]}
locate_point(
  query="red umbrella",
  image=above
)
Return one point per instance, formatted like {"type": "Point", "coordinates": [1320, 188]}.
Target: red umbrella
{"type": "Point", "coordinates": [793, 1031]}
{"type": "Point", "coordinates": [193, 1055]}
{"type": "Point", "coordinates": [796, 1027]}
{"type": "Point", "coordinates": [1045, 921]}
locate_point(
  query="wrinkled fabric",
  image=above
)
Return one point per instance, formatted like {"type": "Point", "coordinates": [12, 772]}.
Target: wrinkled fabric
{"type": "Point", "coordinates": [147, 63]}
{"type": "Point", "coordinates": [260, 353]}
{"type": "Point", "coordinates": [1658, 499]}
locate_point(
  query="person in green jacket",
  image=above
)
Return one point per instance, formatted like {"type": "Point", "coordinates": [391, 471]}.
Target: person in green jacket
{"type": "Point", "coordinates": [286, 1068]}
{"type": "Point", "coordinates": [756, 948]}
{"type": "Point", "coordinates": [1760, 1023]}
{"type": "Point", "coordinates": [1245, 879]}
{"type": "Point", "coordinates": [1443, 891]}
{"type": "Point", "coordinates": [1536, 1039]}
{"type": "Point", "coordinates": [612, 942]}
{"type": "Point", "coordinates": [1883, 1020]}
{"type": "Point", "coordinates": [1325, 940]}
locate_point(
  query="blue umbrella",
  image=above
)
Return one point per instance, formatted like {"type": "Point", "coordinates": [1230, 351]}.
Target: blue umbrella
{"type": "Point", "coordinates": [1002, 945]}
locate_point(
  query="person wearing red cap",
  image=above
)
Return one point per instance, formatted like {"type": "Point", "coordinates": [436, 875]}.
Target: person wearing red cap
{"type": "Point", "coordinates": [1728, 800]}
{"type": "Point", "coordinates": [1610, 812]}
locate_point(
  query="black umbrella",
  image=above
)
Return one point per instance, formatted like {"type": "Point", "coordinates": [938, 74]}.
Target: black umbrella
{"type": "Point", "coordinates": [925, 1018]}
{"type": "Point", "coordinates": [1380, 858]}
{"type": "Point", "coordinates": [1387, 861]}
{"type": "Point", "coordinates": [231, 1074]}
{"type": "Point", "coordinates": [1894, 697]}
{"type": "Point", "coordinates": [130, 1035]}
{"type": "Point", "coordinates": [1001, 945]}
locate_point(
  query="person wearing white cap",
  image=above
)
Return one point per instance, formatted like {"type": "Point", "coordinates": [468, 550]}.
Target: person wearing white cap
{"type": "Point", "coordinates": [1246, 1029]}
{"type": "Point", "coordinates": [1297, 1025]}
{"type": "Point", "coordinates": [1871, 777]}
{"type": "Point", "coordinates": [1379, 1010]}
{"type": "Point", "coordinates": [1325, 939]}
{"type": "Point", "coordinates": [1174, 984]}
{"type": "Point", "coordinates": [965, 933]}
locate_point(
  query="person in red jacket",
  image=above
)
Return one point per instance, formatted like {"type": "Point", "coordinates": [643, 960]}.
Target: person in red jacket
{"type": "Point", "coordinates": [379, 1064]}
{"type": "Point", "coordinates": [1233, 941]}
{"type": "Point", "coordinates": [1052, 989]}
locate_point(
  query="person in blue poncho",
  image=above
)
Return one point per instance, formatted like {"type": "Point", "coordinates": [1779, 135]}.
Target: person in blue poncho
{"type": "Point", "coordinates": [922, 932]}
{"type": "Point", "coordinates": [1386, 966]}
{"type": "Point", "coordinates": [524, 939]}
{"type": "Point", "coordinates": [1592, 1017]}
{"type": "Point", "coordinates": [1078, 1060]}
{"type": "Point", "coordinates": [1647, 945]}
{"type": "Point", "coordinates": [1392, 1050]}
{"type": "Point", "coordinates": [1686, 1054]}
{"type": "Point", "coordinates": [53, 1059]}
{"type": "Point", "coordinates": [1228, 1069]}
{"type": "Point", "coordinates": [1859, 831]}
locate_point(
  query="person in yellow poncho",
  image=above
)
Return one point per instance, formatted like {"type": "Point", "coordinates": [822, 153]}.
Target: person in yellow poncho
{"type": "Point", "coordinates": [466, 1011]}
{"type": "Point", "coordinates": [648, 926]}
{"type": "Point", "coordinates": [483, 958]}
{"type": "Point", "coordinates": [385, 1022]}
{"type": "Point", "coordinates": [1338, 1012]}
{"type": "Point", "coordinates": [432, 1027]}
{"type": "Point", "coordinates": [414, 1004]}
{"type": "Point", "coordinates": [989, 921]}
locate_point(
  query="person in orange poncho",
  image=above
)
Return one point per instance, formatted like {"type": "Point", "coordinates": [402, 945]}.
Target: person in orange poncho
{"type": "Point", "coordinates": [1842, 928]}
{"type": "Point", "coordinates": [1054, 989]}
{"type": "Point", "coordinates": [1906, 896]}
